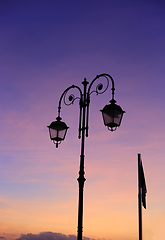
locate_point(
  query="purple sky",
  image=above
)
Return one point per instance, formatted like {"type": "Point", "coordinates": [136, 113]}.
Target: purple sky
{"type": "Point", "coordinates": [46, 46]}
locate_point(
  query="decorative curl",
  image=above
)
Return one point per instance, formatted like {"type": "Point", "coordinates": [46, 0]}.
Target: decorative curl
{"type": "Point", "coordinates": [68, 100]}
{"type": "Point", "coordinates": [100, 87]}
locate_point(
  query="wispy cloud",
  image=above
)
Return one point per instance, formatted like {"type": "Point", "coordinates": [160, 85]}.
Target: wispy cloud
{"type": "Point", "coordinates": [48, 236]}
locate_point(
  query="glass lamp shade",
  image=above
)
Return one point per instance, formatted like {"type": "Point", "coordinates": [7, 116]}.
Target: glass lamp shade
{"type": "Point", "coordinates": [112, 115]}
{"type": "Point", "coordinates": [57, 131]}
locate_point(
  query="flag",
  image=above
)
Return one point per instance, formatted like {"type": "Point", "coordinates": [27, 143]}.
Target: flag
{"type": "Point", "coordinates": [143, 186]}
{"type": "Point", "coordinates": [142, 190]}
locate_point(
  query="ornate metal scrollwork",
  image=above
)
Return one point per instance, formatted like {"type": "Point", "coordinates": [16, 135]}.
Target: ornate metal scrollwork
{"type": "Point", "coordinates": [100, 87]}
{"type": "Point", "coordinates": [84, 98]}
{"type": "Point", "coordinates": [70, 99]}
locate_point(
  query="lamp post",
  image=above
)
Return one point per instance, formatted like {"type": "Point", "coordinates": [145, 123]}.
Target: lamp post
{"type": "Point", "coordinates": [112, 116]}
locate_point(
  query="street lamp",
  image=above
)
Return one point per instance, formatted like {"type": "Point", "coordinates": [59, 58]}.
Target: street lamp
{"type": "Point", "coordinates": [112, 116]}
{"type": "Point", "coordinates": [57, 131]}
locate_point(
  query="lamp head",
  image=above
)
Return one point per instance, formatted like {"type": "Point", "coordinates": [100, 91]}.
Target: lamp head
{"type": "Point", "coordinates": [112, 115]}
{"type": "Point", "coordinates": [57, 131]}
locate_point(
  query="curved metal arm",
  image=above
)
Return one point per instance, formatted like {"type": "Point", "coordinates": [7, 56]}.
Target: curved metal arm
{"type": "Point", "coordinates": [71, 98]}
{"type": "Point", "coordinates": [100, 86]}
{"type": "Point", "coordinates": [98, 90]}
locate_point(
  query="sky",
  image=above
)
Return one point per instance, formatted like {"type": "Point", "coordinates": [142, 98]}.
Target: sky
{"type": "Point", "coordinates": [45, 47]}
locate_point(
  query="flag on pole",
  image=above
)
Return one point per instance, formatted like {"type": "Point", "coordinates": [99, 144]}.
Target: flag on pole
{"type": "Point", "coordinates": [142, 190]}
{"type": "Point", "coordinates": [142, 185]}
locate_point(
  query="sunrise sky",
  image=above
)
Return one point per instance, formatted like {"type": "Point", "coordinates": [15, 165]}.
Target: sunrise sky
{"type": "Point", "coordinates": [46, 46]}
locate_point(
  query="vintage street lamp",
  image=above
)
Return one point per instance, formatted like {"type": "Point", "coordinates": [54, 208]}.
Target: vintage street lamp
{"type": "Point", "coordinates": [112, 116]}
{"type": "Point", "coordinates": [57, 131]}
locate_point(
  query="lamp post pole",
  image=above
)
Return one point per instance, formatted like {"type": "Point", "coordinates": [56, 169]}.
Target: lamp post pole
{"type": "Point", "coordinates": [81, 178]}
{"type": "Point", "coordinates": [112, 116]}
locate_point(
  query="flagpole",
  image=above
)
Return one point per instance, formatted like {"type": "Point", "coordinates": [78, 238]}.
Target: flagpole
{"type": "Point", "coordinates": [139, 197]}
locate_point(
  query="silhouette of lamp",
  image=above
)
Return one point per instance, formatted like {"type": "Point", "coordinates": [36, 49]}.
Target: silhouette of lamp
{"type": "Point", "coordinates": [57, 131]}
{"type": "Point", "coordinates": [112, 116]}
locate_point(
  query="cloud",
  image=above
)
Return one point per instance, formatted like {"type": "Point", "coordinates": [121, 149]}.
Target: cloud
{"type": "Point", "coordinates": [48, 236]}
